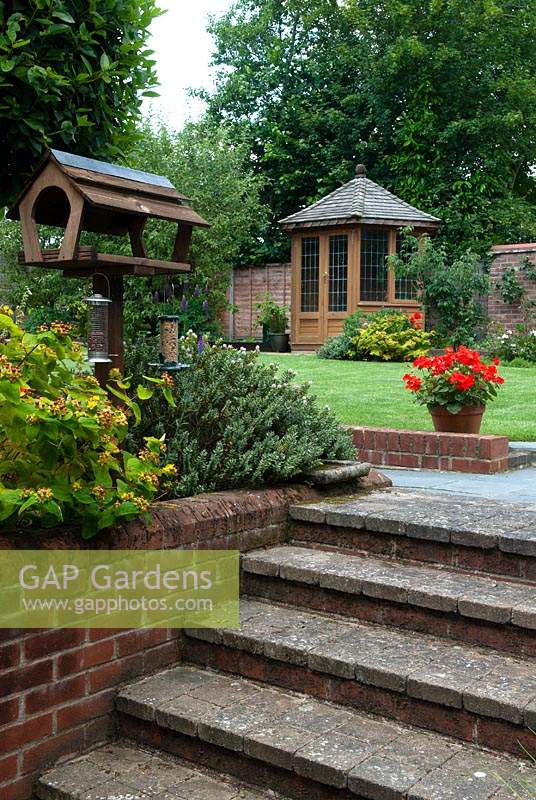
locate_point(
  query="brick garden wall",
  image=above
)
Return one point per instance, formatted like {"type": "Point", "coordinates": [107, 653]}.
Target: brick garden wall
{"type": "Point", "coordinates": [510, 256]}
{"type": "Point", "coordinates": [248, 283]}
{"type": "Point", "coordinates": [454, 452]}
{"type": "Point", "coordinates": [57, 686]}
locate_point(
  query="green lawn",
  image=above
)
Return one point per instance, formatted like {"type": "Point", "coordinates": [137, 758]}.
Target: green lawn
{"type": "Point", "coordinates": [370, 393]}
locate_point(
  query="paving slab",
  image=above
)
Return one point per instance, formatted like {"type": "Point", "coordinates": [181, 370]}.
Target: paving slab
{"type": "Point", "coordinates": [439, 588]}
{"type": "Point", "coordinates": [514, 486]}
{"type": "Point", "coordinates": [339, 747]}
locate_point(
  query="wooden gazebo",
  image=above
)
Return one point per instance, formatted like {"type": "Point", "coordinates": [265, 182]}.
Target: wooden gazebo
{"type": "Point", "coordinates": [339, 249]}
{"type": "Point", "coordinates": [81, 194]}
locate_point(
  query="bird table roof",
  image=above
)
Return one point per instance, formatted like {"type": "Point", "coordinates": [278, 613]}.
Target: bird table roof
{"type": "Point", "coordinates": [112, 187]}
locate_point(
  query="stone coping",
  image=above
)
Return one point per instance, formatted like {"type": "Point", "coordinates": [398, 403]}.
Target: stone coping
{"type": "Point", "coordinates": [232, 519]}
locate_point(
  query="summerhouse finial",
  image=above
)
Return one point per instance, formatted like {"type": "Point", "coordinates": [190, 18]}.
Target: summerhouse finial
{"type": "Point", "coordinates": [361, 171]}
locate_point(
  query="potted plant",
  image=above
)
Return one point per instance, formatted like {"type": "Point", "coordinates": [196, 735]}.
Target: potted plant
{"type": "Point", "coordinates": [455, 386]}
{"type": "Point", "coordinates": [274, 321]}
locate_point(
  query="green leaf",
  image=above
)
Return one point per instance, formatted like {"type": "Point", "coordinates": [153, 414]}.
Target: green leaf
{"type": "Point", "coordinates": [64, 16]}
{"type": "Point", "coordinates": [166, 391]}
{"type": "Point", "coordinates": [144, 393]}
{"type": "Point", "coordinates": [104, 62]}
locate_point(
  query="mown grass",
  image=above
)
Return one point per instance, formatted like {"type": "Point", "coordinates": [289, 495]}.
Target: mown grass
{"type": "Point", "coordinates": [371, 393]}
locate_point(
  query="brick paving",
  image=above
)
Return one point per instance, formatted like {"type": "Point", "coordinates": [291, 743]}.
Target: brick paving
{"type": "Point", "coordinates": [371, 757]}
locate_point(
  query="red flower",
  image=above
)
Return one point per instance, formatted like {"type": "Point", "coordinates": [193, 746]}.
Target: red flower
{"type": "Point", "coordinates": [423, 362]}
{"type": "Point", "coordinates": [496, 361]}
{"type": "Point", "coordinates": [415, 319]}
{"type": "Point", "coordinates": [462, 381]}
{"type": "Point", "coordinates": [413, 383]}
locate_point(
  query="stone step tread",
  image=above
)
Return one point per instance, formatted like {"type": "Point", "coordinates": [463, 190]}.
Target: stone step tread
{"type": "Point", "coordinates": [418, 665]}
{"type": "Point", "coordinates": [441, 589]}
{"type": "Point", "coordinates": [435, 516]}
{"type": "Point", "coordinates": [341, 747]}
{"type": "Point", "coordinates": [124, 771]}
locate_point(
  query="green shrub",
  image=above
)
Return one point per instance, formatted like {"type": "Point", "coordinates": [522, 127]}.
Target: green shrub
{"type": "Point", "coordinates": [335, 348]}
{"type": "Point", "coordinates": [237, 421]}
{"type": "Point", "coordinates": [389, 337]}
{"type": "Point", "coordinates": [60, 438]}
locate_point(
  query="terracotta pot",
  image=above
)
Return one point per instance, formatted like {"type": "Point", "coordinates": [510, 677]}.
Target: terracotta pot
{"type": "Point", "coordinates": [467, 420]}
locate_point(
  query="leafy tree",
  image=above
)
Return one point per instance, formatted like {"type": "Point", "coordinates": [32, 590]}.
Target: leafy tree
{"type": "Point", "coordinates": [436, 96]}
{"type": "Point", "coordinates": [208, 165]}
{"type": "Point", "coordinates": [288, 80]}
{"type": "Point", "coordinates": [72, 75]}
{"type": "Point", "coordinates": [452, 91]}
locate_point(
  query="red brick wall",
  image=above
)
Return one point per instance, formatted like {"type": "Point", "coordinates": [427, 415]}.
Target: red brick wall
{"type": "Point", "coordinates": [57, 686]}
{"type": "Point", "coordinates": [248, 284]}
{"type": "Point", "coordinates": [508, 256]}
{"type": "Point", "coordinates": [454, 452]}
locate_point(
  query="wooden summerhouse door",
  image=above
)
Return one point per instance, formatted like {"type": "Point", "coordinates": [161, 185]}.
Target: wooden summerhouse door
{"type": "Point", "coordinates": [324, 284]}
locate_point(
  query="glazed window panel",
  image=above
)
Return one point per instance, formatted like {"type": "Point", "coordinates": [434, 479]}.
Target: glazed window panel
{"type": "Point", "coordinates": [338, 273]}
{"type": "Point", "coordinates": [405, 288]}
{"type": "Point", "coordinates": [310, 273]}
{"type": "Point", "coordinates": [374, 251]}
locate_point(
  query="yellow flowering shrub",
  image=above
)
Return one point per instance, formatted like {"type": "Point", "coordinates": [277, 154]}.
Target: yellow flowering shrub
{"type": "Point", "coordinates": [390, 337]}
{"type": "Point", "coordinates": [61, 459]}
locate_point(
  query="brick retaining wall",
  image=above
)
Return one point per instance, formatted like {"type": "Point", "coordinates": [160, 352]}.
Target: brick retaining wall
{"type": "Point", "coordinates": [57, 686]}
{"type": "Point", "coordinates": [454, 452]}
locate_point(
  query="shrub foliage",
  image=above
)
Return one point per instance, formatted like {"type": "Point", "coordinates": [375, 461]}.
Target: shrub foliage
{"type": "Point", "coordinates": [71, 74]}
{"type": "Point", "coordinates": [60, 438]}
{"type": "Point", "coordinates": [390, 337]}
{"type": "Point", "coordinates": [237, 421]}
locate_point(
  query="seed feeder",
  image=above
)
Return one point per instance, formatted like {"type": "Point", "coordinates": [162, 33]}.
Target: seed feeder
{"type": "Point", "coordinates": [169, 344]}
{"type": "Point", "coordinates": [97, 329]}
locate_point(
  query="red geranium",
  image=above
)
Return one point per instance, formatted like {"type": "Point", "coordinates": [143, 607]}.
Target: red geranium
{"type": "Point", "coordinates": [454, 379]}
{"type": "Point", "coordinates": [413, 383]}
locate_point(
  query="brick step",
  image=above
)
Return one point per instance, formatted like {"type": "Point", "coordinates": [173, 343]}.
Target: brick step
{"type": "Point", "coordinates": [305, 747]}
{"type": "Point", "coordinates": [464, 532]}
{"type": "Point", "coordinates": [125, 771]}
{"type": "Point", "coordinates": [445, 602]}
{"type": "Point", "coordinates": [471, 693]}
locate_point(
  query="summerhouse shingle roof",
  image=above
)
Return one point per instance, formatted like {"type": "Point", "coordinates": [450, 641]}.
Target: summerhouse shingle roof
{"type": "Point", "coordinates": [359, 200]}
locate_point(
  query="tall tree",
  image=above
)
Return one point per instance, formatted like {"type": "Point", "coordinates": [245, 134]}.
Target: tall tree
{"type": "Point", "coordinates": [72, 73]}
{"type": "Point", "coordinates": [452, 90]}
{"type": "Point", "coordinates": [436, 96]}
{"type": "Point", "coordinates": [289, 80]}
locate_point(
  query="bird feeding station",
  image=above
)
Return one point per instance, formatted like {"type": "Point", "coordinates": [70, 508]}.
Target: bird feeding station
{"type": "Point", "coordinates": [81, 194]}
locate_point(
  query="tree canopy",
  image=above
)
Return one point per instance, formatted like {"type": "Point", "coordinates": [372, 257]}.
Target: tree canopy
{"type": "Point", "coordinates": [72, 76]}
{"type": "Point", "coordinates": [436, 96]}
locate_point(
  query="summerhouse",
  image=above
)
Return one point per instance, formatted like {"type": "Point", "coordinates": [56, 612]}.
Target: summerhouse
{"type": "Point", "coordinates": [339, 249]}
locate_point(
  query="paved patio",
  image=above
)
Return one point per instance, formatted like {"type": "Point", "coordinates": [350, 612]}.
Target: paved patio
{"type": "Point", "coordinates": [517, 486]}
